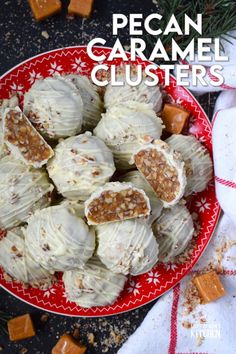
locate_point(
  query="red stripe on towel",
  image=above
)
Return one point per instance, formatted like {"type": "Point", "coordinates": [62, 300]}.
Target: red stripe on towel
{"type": "Point", "coordinates": [215, 79]}
{"type": "Point", "coordinates": [215, 116]}
{"type": "Point", "coordinates": [173, 323]}
{"type": "Point", "coordinates": [226, 183]}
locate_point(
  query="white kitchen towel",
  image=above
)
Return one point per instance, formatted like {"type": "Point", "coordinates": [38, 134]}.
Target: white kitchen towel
{"type": "Point", "coordinates": [208, 328]}
{"type": "Point", "coordinates": [170, 329]}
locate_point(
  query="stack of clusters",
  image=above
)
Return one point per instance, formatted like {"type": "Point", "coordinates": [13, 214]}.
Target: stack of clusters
{"type": "Point", "coordinates": [97, 196]}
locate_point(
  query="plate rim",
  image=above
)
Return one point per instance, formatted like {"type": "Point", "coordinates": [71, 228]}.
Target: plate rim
{"type": "Point", "coordinates": [196, 259]}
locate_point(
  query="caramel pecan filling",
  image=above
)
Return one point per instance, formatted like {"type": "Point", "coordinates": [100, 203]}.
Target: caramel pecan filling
{"type": "Point", "coordinates": [162, 177]}
{"type": "Point", "coordinates": [20, 133]}
{"type": "Point", "coordinates": [114, 206]}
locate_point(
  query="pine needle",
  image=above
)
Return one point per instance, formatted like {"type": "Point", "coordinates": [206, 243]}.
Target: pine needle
{"type": "Point", "coordinates": [3, 321]}
{"type": "Point", "coordinates": [218, 18]}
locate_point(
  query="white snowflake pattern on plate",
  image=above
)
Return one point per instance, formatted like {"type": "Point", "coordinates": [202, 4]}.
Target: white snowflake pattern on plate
{"type": "Point", "coordinates": [49, 292]}
{"type": "Point", "coordinates": [55, 68]}
{"type": "Point", "coordinates": [171, 266]}
{"type": "Point", "coordinates": [33, 76]}
{"type": "Point", "coordinates": [79, 65]}
{"type": "Point", "coordinates": [153, 277]}
{"type": "Point", "coordinates": [18, 88]}
{"type": "Point", "coordinates": [203, 205]}
{"type": "Point", "coordinates": [134, 288]}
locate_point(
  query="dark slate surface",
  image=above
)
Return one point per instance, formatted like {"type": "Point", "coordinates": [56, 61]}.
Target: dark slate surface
{"type": "Point", "coordinates": [21, 38]}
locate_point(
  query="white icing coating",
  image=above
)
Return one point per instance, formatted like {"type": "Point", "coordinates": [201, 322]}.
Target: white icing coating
{"type": "Point", "coordinates": [5, 103]}
{"type": "Point", "coordinates": [173, 231]}
{"type": "Point", "coordinates": [173, 159]}
{"type": "Point", "coordinates": [114, 187]}
{"type": "Point", "coordinates": [75, 207]}
{"type": "Point", "coordinates": [56, 105]}
{"type": "Point", "coordinates": [197, 160]}
{"type": "Point", "coordinates": [23, 190]}
{"type": "Point", "coordinates": [142, 93]}
{"type": "Point", "coordinates": [124, 127]}
{"type": "Point", "coordinates": [18, 263]}
{"type": "Point", "coordinates": [93, 105]}
{"type": "Point", "coordinates": [140, 182]}
{"type": "Point", "coordinates": [127, 247]}
{"type": "Point", "coordinates": [81, 164]}
{"type": "Point", "coordinates": [59, 240]}
{"type": "Point", "coordinates": [95, 285]}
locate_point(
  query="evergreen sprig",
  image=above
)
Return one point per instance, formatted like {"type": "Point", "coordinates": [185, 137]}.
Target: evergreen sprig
{"type": "Point", "coordinates": [218, 18]}
{"type": "Point", "coordinates": [3, 321]}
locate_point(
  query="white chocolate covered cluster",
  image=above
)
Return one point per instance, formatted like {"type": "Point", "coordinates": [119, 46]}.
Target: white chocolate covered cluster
{"type": "Point", "coordinates": [124, 127]}
{"type": "Point", "coordinates": [127, 247]}
{"type": "Point", "coordinates": [23, 190]}
{"type": "Point", "coordinates": [19, 264]}
{"type": "Point", "coordinates": [198, 163]}
{"type": "Point", "coordinates": [173, 231]}
{"type": "Point", "coordinates": [81, 164]}
{"type": "Point", "coordinates": [55, 106]}
{"type": "Point", "coordinates": [92, 103]}
{"type": "Point", "coordinates": [95, 285]}
{"type": "Point", "coordinates": [59, 240]}
{"type": "Point", "coordinates": [117, 95]}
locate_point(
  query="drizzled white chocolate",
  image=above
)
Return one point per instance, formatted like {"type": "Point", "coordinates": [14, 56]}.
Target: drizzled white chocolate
{"type": "Point", "coordinates": [199, 168]}
{"type": "Point", "coordinates": [127, 247]}
{"type": "Point", "coordinates": [18, 263]}
{"type": "Point", "coordinates": [59, 240]}
{"type": "Point", "coordinates": [125, 127]}
{"type": "Point", "coordinates": [117, 95]}
{"type": "Point", "coordinates": [173, 231]}
{"type": "Point", "coordinates": [23, 190]}
{"type": "Point", "coordinates": [81, 164]}
{"type": "Point", "coordinates": [94, 285]}
{"type": "Point", "coordinates": [92, 102]}
{"type": "Point", "coordinates": [55, 106]}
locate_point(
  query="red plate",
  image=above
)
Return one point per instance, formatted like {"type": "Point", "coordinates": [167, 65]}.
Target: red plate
{"type": "Point", "coordinates": [147, 287]}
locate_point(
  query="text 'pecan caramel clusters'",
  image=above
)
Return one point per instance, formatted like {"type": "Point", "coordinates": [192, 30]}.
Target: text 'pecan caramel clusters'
{"type": "Point", "coordinates": [116, 201]}
{"type": "Point", "coordinates": [163, 169]}
{"type": "Point", "coordinates": [23, 140]}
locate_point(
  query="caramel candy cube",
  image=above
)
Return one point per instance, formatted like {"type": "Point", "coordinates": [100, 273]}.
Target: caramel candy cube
{"type": "Point", "coordinates": [44, 8]}
{"type": "Point", "coordinates": [68, 345]}
{"type": "Point", "coordinates": [21, 328]}
{"type": "Point", "coordinates": [23, 140]}
{"type": "Point", "coordinates": [80, 7]}
{"type": "Point", "coordinates": [209, 286]}
{"type": "Point", "coordinates": [174, 118]}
